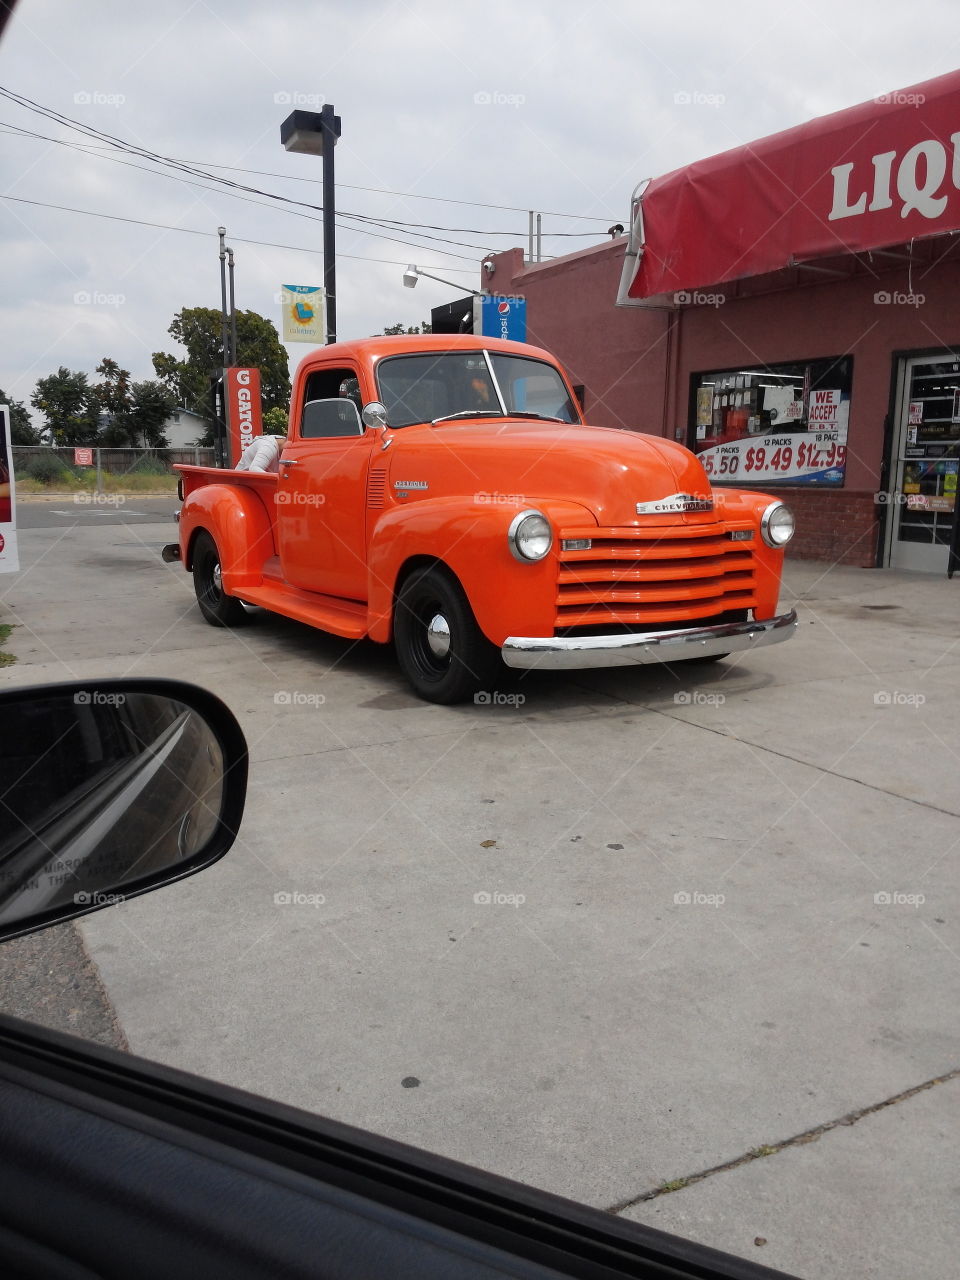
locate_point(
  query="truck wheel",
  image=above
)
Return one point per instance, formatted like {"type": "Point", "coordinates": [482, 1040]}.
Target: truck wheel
{"type": "Point", "coordinates": [219, 610]}
{"type": "Point", "coordinates": [441, 650]}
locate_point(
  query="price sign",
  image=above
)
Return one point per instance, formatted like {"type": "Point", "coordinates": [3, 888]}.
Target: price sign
{"type": "Point", "coordinates": [801, 457]}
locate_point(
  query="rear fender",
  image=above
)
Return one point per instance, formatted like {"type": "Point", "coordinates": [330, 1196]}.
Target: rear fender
{"type": "Point", "coordinates": [240, 525]}
{"type": "Point", "coordinates": [469, 538]}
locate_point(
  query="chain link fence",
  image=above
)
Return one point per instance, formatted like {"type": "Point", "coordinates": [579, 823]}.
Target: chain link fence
{"type": "Point", "coordinates": [55, 469]}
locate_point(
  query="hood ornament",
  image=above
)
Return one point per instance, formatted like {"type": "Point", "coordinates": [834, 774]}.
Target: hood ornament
{"type": "Point", "coordinates": [675, 504]}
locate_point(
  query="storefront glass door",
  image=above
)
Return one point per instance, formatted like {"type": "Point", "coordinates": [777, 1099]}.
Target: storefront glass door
{"type": "Point", "coordinates": [925, 461]}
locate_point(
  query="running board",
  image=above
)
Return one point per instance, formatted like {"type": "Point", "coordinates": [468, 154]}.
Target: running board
{"type": "Point", "coordinates": [345, 618]}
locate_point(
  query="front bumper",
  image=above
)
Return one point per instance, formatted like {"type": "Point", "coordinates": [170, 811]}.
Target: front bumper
{"type": "Point", "coordinates": [571, 653]}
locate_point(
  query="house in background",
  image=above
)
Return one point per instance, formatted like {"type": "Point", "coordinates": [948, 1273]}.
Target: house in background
{"type": "Point", "coordinates": [183, 427]}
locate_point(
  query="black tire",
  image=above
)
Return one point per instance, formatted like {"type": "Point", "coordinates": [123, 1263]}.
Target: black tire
{"type": "Point", "coordinates": [219, 610]}
{"type": "Point", "coordinates": [444, 668]}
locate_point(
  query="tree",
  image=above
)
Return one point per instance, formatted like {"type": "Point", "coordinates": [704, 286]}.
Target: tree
{"type": "Point", "coordinates": [151, 406]}
{"type": "Point", "coordinates": [69, 405]}
{"type": "Point", "coordinates": [22, 430]}
{"type": "Point", "coordinates": [393, 330]}
{"type": "Point", "coordinates": [114, 401]}
{"type": "Point", "coordinates": [198, 330]}
{"type": "Point", "coordinates": [275, 421]}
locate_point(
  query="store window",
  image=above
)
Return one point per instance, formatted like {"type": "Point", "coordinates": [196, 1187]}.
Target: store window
{"type": "Point", "coordinates": [779, 424]}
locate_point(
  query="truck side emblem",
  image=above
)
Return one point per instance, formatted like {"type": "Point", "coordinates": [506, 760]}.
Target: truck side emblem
{"type": "Point", "coordinates": [676, 502]}
{"type": "Point", "coordinates": [410, 484]}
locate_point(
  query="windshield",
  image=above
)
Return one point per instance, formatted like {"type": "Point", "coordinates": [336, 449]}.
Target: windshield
{"type": "Point", "coordinates": [423, 388]}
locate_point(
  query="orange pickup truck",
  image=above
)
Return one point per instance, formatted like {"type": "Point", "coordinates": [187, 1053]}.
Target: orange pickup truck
{"type": "Point", "coordinates": [444, 493]}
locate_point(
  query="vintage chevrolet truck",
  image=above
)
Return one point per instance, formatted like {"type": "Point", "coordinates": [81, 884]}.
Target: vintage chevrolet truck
{"type": "Point", "coordinates": [443, 493]}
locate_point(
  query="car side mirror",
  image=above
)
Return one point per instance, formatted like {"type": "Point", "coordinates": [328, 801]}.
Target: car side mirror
{"type": "Point", "coordinates": [374, 414]}
{"type": "Point", "coordinates": [108, 789]}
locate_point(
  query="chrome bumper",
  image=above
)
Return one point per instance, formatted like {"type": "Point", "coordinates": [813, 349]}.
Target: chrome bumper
{"type": "Point", "coordinates": [569, 653]}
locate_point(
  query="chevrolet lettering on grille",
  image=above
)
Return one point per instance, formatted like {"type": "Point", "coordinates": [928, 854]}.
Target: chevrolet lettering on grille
{"type": "Point", "coordinates": [677, 502]}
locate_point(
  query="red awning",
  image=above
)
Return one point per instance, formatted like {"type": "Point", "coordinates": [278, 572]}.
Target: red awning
{"type": "Point", "coordinates": [869, 177]}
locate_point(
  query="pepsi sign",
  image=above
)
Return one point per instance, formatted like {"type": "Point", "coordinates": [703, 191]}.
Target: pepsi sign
{"type": "Point", "coordinates": [502, 317]}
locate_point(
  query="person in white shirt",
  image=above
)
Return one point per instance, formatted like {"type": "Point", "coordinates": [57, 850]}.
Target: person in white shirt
{"type": "Point", "coordinates": [262, 454]}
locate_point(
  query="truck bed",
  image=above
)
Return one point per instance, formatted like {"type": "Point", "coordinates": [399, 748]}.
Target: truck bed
{"type": "Point", "coordinates": [264, 482]}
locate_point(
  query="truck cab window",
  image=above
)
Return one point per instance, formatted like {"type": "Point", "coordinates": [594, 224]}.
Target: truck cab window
{"type": "Point", "coordinates": [331, 404]}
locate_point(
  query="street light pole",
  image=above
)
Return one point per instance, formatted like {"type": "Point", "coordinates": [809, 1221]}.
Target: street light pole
{"type": "Point", "coordinates": [233, 311]}
{"type": "Point", "coordinates": [224, 339]}
{"type": "Point", "coordinates": [315, 133]}
{"type": "Point", "coordinates": [329, 226]}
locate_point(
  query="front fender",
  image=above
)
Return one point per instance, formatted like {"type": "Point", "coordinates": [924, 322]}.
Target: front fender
{"type": "Point", "coordinates": [469, 537]}
{"type": "Point", "coordinates": [736, 506]}
{"type": "Point", "coordinates": [238, 522]}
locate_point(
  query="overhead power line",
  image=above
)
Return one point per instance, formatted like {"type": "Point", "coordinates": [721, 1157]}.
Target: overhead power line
{"type": "Point", "coordinates": [405, 195]}
{"type": "Point", "coordinates": [421, 230]}
{"type": "Point", "coordinates": [196, 231]}
{"type": "Point", "coordinates": [231, 187]}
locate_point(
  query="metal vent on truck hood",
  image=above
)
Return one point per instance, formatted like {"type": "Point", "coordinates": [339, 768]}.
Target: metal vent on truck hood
{"type": "Point", "coordinates": [376, 488]}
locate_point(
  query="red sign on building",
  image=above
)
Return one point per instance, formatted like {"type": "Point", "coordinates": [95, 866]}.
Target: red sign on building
{"type": "Point", "coordinates": [242, 407]}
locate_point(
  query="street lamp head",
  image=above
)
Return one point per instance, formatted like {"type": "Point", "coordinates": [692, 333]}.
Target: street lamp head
{"type": "Point", "coordinates": [305, 131]}
{"type": "Point", "coordinates": [411, 276]}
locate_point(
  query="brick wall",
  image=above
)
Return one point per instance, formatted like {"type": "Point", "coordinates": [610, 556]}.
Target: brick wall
{"type": "Point", "coordinates": [839, 527]}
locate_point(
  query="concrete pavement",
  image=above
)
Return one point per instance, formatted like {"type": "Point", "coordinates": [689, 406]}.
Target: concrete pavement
{"type": "Point", "coordinates": [723, 904]}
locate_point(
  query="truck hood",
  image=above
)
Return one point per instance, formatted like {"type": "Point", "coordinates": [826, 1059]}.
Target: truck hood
{"type": "Point", "coordinates": [604, 469]}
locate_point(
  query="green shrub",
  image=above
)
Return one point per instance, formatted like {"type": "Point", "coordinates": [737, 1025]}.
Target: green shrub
{"type": "Point", "coordinates": [148, 466]}
{"type": "Point", "coordinates": [48, 470]}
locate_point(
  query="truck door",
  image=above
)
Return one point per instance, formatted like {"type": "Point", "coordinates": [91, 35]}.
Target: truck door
{"type": "Point", "coordinates": [321, 514]}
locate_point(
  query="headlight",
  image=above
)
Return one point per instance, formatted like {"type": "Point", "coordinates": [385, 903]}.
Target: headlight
{"type": "Point", "coordinates": [530, 536]}
{"type": "Point", "coordinates": [777, 525]}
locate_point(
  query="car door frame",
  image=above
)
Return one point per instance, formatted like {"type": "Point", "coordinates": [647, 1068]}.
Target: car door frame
{"type": "Point", "coordinates": [430, 1202]}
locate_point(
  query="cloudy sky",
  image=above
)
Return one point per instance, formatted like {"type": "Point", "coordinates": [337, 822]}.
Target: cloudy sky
{"type": "Point", "coordinates": [552, 105]}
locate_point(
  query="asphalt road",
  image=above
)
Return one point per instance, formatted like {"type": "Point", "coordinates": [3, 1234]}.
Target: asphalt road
{"type": "Point", "coordinates": [110, 509]}
{"type": "Point", "coordinates": [684, 944]}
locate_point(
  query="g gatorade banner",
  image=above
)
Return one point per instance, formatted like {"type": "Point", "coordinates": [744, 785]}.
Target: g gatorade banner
{"type": "Point", "coordinates": [241, 393]}
{"type": "Point", "coordinates": [9, 561]}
